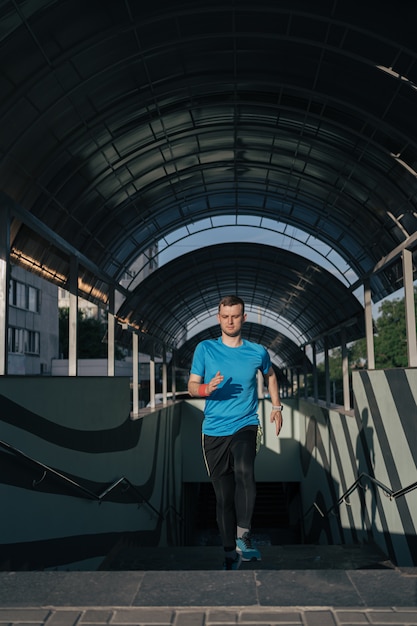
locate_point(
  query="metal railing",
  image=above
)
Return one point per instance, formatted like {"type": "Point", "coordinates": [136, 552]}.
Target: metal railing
{"type": "Point", "coordinates": [75, 485]}
{"type": "Point", "coordinates": [388, 492]}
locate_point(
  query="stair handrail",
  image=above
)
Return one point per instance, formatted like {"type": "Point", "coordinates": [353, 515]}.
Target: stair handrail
{"type": "Point", "coordinates": [388, 492]}
{"type": "Point", "coordinates": [77, 486]}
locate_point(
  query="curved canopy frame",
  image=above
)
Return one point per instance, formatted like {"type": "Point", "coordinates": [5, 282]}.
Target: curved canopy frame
{"type": "Point", "coordinates": [122, 123]}
{"type": "Point", "coordinates": [283, 350]}
{"type": "Point", "coordinates": [293, 289]}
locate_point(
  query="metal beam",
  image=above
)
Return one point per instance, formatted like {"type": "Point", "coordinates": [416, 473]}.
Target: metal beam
{"type": "Point", "coordinates": [410, 308]}
{"type": "Point", "coordinates": [73, 318]}
{"type": "Point", "coordinates": [111, 334]}
{"type": "Point", "coordinates": [369, 326]}
{"type": "Point", "coordinates": [52, 237]}
{"type": "Point", "coordinates": [394, 255]}
{"type": "Point", "coordinates": [135, 376]}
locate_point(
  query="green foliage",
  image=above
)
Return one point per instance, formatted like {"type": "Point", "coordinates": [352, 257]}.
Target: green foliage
{"type": "Point", "coordinates": [390, 344]}
{"type": "Point", "coordinates": [90, 337]}
{"type": "Point", "coordinates": [390, 339]}
{"type": "Point", "coordinates": [391, 336]}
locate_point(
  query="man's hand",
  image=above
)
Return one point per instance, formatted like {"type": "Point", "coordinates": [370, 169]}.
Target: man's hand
{"type": "Point", "coordinates": [276, 416]}
{"type": "Point", "coordinates": [194, 384]}
{"type": "Point", "coordinates": [215, 382]}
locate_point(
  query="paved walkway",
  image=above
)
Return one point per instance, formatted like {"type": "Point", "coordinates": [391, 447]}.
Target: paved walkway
{"type": "Point", "coordinates": [306, 586]}
{"type": "Point", "coordinates": [205, 598]}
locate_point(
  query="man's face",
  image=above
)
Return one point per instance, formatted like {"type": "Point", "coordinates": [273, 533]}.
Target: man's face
{"type": "Point", "coordinates": [231, 319]}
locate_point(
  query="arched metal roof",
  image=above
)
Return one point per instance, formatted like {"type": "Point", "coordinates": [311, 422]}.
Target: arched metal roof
{"type": "Point", "coordinates": [292, 289]}
{"type": "Point", "coordinates": [122, 122]}
{"type": "Point", "coordinates": [282, 349]}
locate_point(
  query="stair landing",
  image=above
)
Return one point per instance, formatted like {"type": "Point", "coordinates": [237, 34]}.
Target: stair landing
{"type": "Point", "coordinates": [127, 557]}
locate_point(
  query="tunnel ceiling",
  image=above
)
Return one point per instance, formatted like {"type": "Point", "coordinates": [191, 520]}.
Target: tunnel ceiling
{"type": "Point", "coordinates": [123, 122]}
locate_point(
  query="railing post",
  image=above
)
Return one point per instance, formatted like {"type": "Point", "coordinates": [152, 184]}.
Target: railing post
{"type": "Point", "coordinates": [111, 334]}
{"type": "Point", "coordinates": [345, 372]}
{"type": "Point", "coordinates": [73, 318]}
{"type": "Point", "coordinates": [152, 377]}
{"type": "Point", "coordinates": [327, 370]}
{"type": "Point", "coordinates": [369, 328]}
{"type": "Point", "coordinates": [164, 377]}
{"type": "Point", "coordinates": [410, 309]}
{"type": "Point", "coordinates": [135, 376]}
{"type": "Point", "coordinates": [4, 284]}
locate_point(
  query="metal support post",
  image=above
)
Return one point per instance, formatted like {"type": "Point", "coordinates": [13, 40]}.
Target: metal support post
{"type": "Point", "coordinates": [152, 378]}
{"type": "Point", "coordinates": [164, 377]}
{"type": "Point", "coordinates": [260, 380]}
{"type": "Point", "coordinates": [315, 377]}
{"type": "Point", "coordinates": [410, 307]}
{"type": "Point", "coordinates": [135, 376]}
{"type": "Point", "coordinates": [369, 329]}
{"type": "Point", "coordinates": [111, 334]}
{"type": "Point", "coordinates": [305, 373]}
{"type": "Point", "coordinates": [4, 285]}
{"type": "Point", "coordinates": [73, 318]}
{"type": "Point", "coordinates": [174, 376]}
{"type": "Point", "coordinates": [345, 372]}
{"type": "Point", "coordinates": [327, 370]}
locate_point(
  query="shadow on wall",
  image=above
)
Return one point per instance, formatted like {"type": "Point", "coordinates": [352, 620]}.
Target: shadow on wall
{"type": "Point", "coordinates": [337, 450]}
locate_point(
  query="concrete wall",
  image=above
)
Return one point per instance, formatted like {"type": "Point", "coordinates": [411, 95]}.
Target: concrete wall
{"type": "Point", "coordinates": [379, 439]}
{"type": "Point", "coordinates": [81, 427]}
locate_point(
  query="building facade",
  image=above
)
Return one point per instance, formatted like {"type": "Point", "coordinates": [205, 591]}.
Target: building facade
{"type": "Point", "coordinates": [33, 333]}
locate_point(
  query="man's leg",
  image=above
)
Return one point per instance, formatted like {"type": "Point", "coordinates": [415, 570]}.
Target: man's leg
{"type": "Point", "coordinates": [224, 488]}
{"type": "Point", "coordinates": [217, 458]}
{"type": "Point", "coordinates": [243, 449]}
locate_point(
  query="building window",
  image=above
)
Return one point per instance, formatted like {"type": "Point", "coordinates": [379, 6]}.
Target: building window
{"type": "Point", "coordinates": [24, 296]}
{"type": "Point", "coordinates": [23, 341]}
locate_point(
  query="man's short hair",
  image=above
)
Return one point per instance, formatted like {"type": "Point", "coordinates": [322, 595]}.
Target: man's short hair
{"type": "Point", "coordinates": [231, 301]}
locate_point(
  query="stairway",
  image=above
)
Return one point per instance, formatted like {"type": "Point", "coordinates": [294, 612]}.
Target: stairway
{"type": "Point", "coordinates": [271, 523]}
{"type": "Point", "coordinates": [128, 557]}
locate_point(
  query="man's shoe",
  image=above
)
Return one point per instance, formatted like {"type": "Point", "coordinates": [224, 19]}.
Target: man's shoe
{"type": "Point", "coordinates": [245, 548]}
{"type": "Point", "coordinates": [231, 564]}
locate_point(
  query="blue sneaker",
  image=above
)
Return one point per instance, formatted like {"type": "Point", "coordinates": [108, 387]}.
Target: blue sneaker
{"type": "Point", "coordinates": [245, 548]}
{"type": "Point", "coordinates": [231, 564]}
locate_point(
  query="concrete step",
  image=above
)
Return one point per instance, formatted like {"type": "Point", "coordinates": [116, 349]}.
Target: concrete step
{"type": "Point", "coordinates": [128, 557]}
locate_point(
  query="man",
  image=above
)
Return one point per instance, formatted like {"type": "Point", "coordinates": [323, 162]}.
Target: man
{"type": "Point", "coordinates": [224, 371]}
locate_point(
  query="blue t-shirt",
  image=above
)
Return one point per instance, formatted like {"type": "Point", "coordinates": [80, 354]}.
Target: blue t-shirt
{"type": "Point", "coordinates": [234, 404]}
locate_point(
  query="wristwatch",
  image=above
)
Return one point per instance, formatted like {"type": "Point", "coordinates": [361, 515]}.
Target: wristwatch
{"type": "Point", "coordinates": [278, 407]}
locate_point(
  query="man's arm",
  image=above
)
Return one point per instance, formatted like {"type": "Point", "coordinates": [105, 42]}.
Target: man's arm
{"type": "Point", "coordinates": [194, 383]}
{"type": "Point", "coordinates": [196, 388]}
{"type": "Point", "coordinates": [272, 385]}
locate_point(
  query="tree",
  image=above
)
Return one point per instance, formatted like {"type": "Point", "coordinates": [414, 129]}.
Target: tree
{"type": "Point", "coordinates": [91, 335]}
{"type": "Point", "coordinates": [390, 340]}
{"type": "Point", "coordinates": [391, 335]}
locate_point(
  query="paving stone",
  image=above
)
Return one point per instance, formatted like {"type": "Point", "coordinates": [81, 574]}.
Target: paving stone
{"type": "Point", "coordinates": [270, 616]}
{"type": "Point", "coordinates": [351, 617]}
{"type": "Point", "coordinates": [312, 588]}
{"type": "Point", "coordinates": [195, 618]}
{"type": "Point", "coordinates": [222, 615]}
{"type": "Point", "coordinates": [63, 618]}
{"type": "Point", "coordinates": [24, 616]}
{"type": "Point", "coordinates": [198, 589]}
{"type": "Point", "coordinates": [385, 588]}
{"type": "Point", "coordinates": [93, 616]}
{"type": "Point", "coordinates": [392, 617]}
{"type": "Point", "coordinates": [138, 615]}
{"type": "Point", "coordinates": [319, 618]}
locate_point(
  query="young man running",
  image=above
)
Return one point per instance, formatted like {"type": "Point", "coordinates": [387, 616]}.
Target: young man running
{"type": "Point", "coordinates": [224, 371]}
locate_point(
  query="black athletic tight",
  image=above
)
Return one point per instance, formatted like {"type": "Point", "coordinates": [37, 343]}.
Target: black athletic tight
{"type": "Point", "coordinates": [236, 490]}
